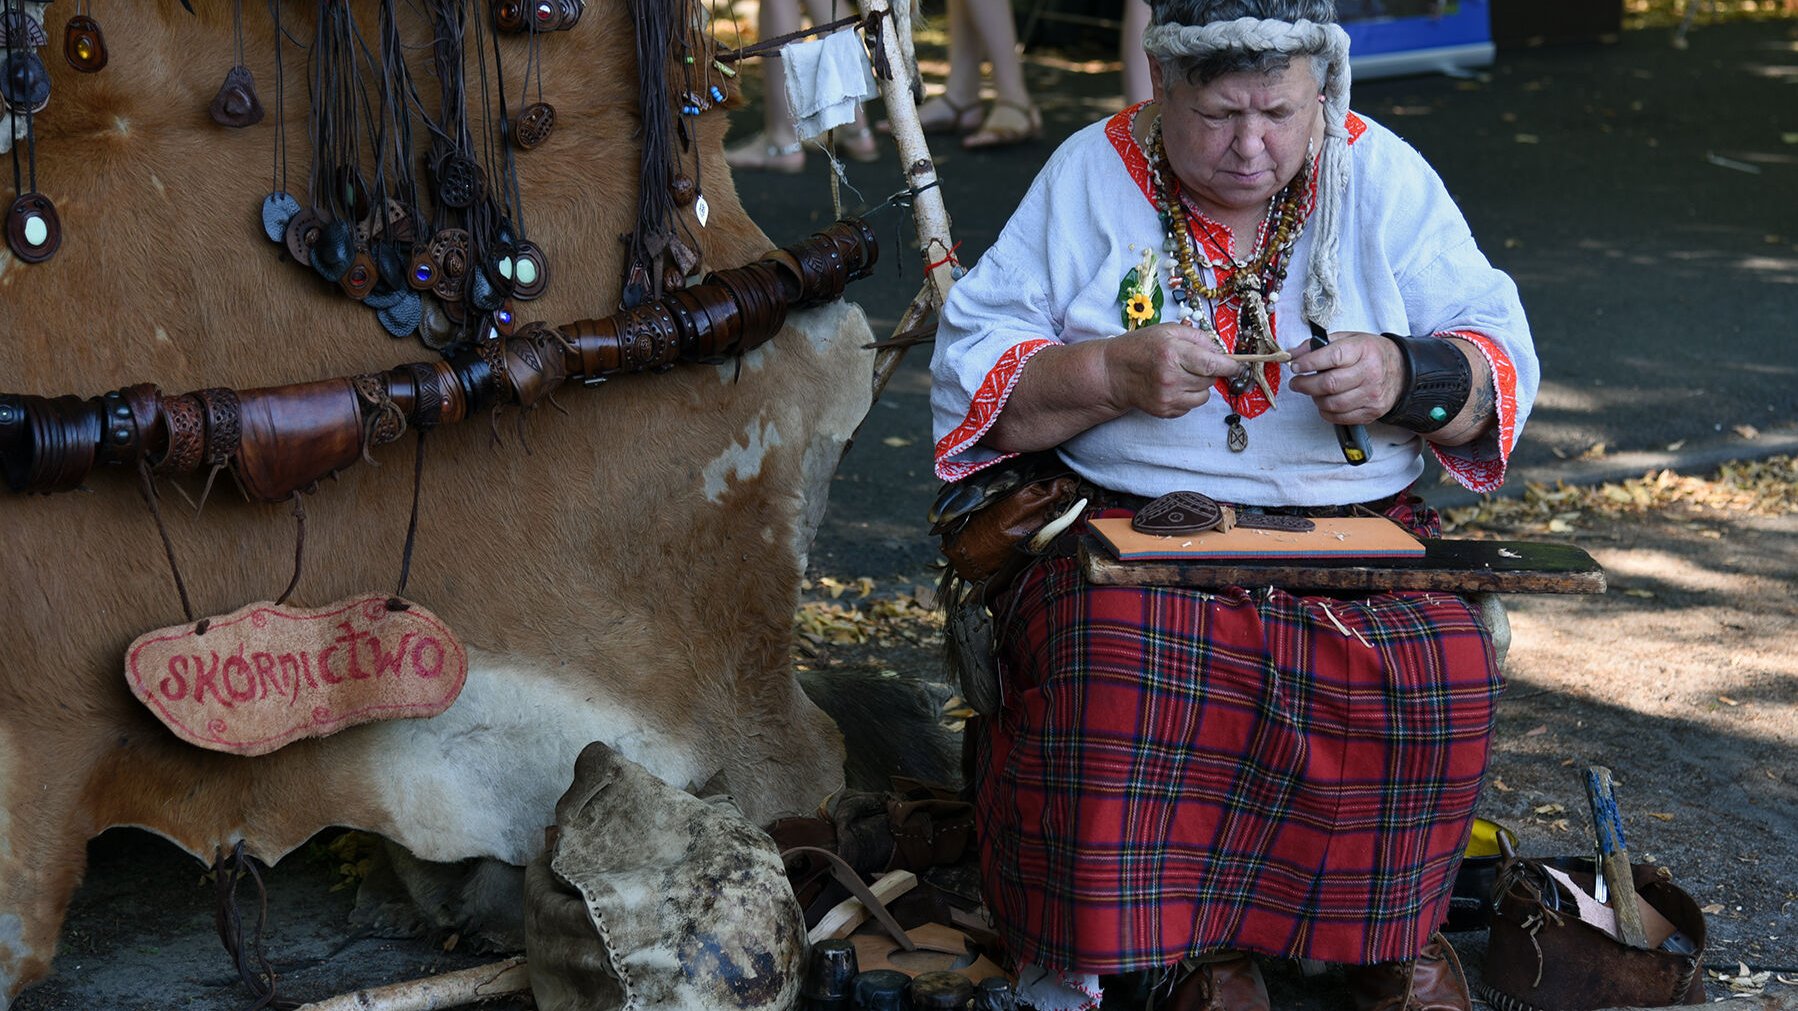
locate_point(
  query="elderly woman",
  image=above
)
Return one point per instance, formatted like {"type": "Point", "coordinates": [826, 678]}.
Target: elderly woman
{"type": "Point", "coordinates": [1178, 779]}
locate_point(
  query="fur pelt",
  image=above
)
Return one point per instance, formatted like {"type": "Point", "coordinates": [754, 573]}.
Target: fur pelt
{"type": "Point", "coordinates": [630, 578]}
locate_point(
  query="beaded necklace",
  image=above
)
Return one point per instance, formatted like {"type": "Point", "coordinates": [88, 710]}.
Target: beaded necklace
{"type": "Point", "coordinates": [1254, 283]}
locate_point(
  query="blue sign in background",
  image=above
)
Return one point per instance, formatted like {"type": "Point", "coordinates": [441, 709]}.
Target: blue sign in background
{"type": "Point", "coordinates": [1459, 35]}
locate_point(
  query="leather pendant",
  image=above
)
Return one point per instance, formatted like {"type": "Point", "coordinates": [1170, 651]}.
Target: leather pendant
{"type": "Point", "coordinates": [236, 104]}
{"type": "Point", "coordinates": [530, 271]}
{"type": "Point", "coordinates": [449, 251]}
{"type": "Point", "coordinates": [33, 231]}
{"type": "Point", "coordinates": [391, 262]}
{"type": "Point", "coordinates": [1238, 437]}
{"type": "Point", "coordinates": [435, 328]}
{"type": "Point", "coordinates": [505, 320]}
{"type": "Point", "coordinates": [277, 210]}
{"type": "Point", "coordinates": [421, 273]}
{"type": "Point", "coordinates": [534, 125]}
{"type": "Point", "coordinates": [83, 45]}
{"type": "Point", "coordinates": [25, 84]}
{"type": "Point", "coordinates": [1178, 512]}
{"type": "Point", "coordinates": [483, 294]}
{"type": "Point", "coordinates": [301, 235]}
{"type": "Point", "coordinates": [459, 182]}
{"type": "Point", "coordinates": [335, 248]}
{"type": "Point", "coordinates": [402, 318]}
{"type": "Point", "coordinates": [508, 16]}
{"type": "Point", "coordinates": [360, 278]}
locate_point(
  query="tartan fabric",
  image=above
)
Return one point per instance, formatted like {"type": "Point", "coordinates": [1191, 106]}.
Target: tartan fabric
{"type": "Point", "coordinates": [1177, 771]}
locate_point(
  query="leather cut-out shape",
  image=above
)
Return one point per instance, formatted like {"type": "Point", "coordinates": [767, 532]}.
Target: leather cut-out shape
{"type": "Point", "coordinates": [1178, 512]}
{"type": "Point", "coordinates": [33, 230]}
{"type": "Point", "coordinates": [396, 223]}
{"type": "Point", "coordinates": [83, 45]}
{"type": "Point", "coordinates": [1274, 521]}
{"type": "Point", "coordinates": [530, 271]}
{"type": "Point", "coordinates": [335, 248]}
{"type": "Point", "coordinates": [359, 279]}
{"type": "Point", "coordinates": [277, 210]}
{"type": "Point", "coordinates": [534, 125]}
{"type": "Point", "coordinates": [25, 83]}
{"type": "Point", "coordinates": [236, 104]}
{"type": "Point", "coordinates": [301, 235]}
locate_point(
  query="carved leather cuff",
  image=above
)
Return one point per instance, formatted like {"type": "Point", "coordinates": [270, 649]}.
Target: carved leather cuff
{"type": "Point", "coordinates": [1438, 381]}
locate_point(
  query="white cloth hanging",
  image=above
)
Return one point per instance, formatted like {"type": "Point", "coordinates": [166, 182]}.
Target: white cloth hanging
{"type": "Point", "coordinates": [826, 79]}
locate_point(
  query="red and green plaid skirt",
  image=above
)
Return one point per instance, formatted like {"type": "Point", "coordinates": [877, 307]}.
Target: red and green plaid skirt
{"type": "Point", "coordinates": [1177, 771]}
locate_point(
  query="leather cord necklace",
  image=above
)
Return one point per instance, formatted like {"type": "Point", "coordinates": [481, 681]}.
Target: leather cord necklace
{"type": "Point", "coordinates": [33, 228]}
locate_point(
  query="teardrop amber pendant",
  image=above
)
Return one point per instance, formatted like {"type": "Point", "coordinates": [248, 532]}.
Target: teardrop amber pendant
{"type": "Point", "coordinates": [83, 45]}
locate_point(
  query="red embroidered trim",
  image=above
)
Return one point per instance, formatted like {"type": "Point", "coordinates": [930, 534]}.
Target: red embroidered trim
{"type": "Point", "coordinates": [1356, 127]}
{"type": "Point", "coordinates": [984, 409]}
{"type": "Point", "coordinates": [1487, 475]}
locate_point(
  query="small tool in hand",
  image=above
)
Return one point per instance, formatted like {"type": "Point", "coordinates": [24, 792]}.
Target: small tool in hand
{"type": "Point", "coordinates": [1352, 438]}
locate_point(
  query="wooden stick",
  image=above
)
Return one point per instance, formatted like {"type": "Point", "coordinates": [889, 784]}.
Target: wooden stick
{"type": "Point", "coordinates": [1613, 856]}
{"type": "Point", "coordinates": [1277, 356]}
{"type": "Point", "coordinates": [452, 989]}
{"type": "Point", "coordinates": [929, 215]}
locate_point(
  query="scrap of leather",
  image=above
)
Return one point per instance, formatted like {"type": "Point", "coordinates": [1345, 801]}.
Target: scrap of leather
{"type": "Point", "coordinates": [264, 676]}
{"type": "Point", "coordinates": [280, 440]}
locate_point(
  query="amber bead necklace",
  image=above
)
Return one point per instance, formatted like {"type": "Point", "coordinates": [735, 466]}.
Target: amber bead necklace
{"type": "Point", "coordinates": [1263, 271]}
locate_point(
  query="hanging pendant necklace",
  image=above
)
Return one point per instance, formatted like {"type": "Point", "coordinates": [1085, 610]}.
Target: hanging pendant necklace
{"type": "Point", "coordinates": [1253, 284]}
{"type": "Point", "coordinates": [83, 45]}
{"type": "Point", "coordinates": [33, 230]}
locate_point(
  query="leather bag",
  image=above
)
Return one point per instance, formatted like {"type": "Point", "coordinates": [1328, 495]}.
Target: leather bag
{"type": "Point", "coordinates": [1543, 957]}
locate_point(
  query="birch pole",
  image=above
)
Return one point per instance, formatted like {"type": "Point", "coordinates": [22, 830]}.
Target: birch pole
{"type": "Point", "coordinates": [929, 215]}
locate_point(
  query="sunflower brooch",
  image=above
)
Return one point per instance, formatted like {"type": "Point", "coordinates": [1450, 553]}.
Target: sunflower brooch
{"type": "Point", "coordinates": [1139, 294]}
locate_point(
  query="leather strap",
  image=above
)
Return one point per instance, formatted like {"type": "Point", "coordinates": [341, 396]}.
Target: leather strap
{"type": "Point", "coordinates": [846, 876]}
{"type": "Point", "coordinates": [1438, 381]}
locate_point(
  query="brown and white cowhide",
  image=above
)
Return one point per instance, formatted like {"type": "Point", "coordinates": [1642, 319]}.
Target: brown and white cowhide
{"type": "Point", "coordinates": [630, 580]}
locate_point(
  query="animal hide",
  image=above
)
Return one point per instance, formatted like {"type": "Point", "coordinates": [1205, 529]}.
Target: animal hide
{"type": "Point", "coordinates": [629, 576]}
{"type": "Point", "coordinates": [651, 898]}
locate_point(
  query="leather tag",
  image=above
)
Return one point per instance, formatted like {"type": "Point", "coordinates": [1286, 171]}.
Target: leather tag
{"type": "Point", "coordinates": [264, 675]}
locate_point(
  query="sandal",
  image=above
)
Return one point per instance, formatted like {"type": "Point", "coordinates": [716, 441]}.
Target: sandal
{"type": "Point", "coordinates": [1008, 123]}
{"type": "Point", "coordinates": [943, 114]}
{"type": "Point", "coordinates": [759, 154]}
{"type": "Point", "coordinates": [856, 144]}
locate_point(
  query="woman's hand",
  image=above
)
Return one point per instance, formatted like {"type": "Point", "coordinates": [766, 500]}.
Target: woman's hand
{"type": "Point", "coordinates": [1163, 370]}
{"type": "Point", "coordinates": [1355, 379]}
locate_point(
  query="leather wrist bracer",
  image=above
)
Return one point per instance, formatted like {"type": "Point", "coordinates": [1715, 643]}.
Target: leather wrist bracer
{"type": "Point", "coordinates": [1438, 381]}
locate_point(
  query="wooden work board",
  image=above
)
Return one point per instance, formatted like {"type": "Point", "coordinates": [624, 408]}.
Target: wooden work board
{"type": "Point", "coordinates": [1452, 566]}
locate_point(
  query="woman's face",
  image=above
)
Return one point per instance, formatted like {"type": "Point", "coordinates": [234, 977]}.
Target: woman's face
{"type": "Point", "coordinates": [1238, 140]}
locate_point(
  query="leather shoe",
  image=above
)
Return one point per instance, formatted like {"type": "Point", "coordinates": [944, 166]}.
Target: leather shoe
{"type": "Point", "coordinates": [1229, 981]}
{"type": "Point", "coordinates": [1433, 981]}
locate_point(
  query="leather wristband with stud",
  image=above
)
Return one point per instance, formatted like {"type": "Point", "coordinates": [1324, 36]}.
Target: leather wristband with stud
{"type": "Point", "coordinates": [1438, 381]}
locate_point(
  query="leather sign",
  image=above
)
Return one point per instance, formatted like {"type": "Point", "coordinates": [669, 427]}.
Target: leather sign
{"type": "Point", "coordinates": [266, 675]}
